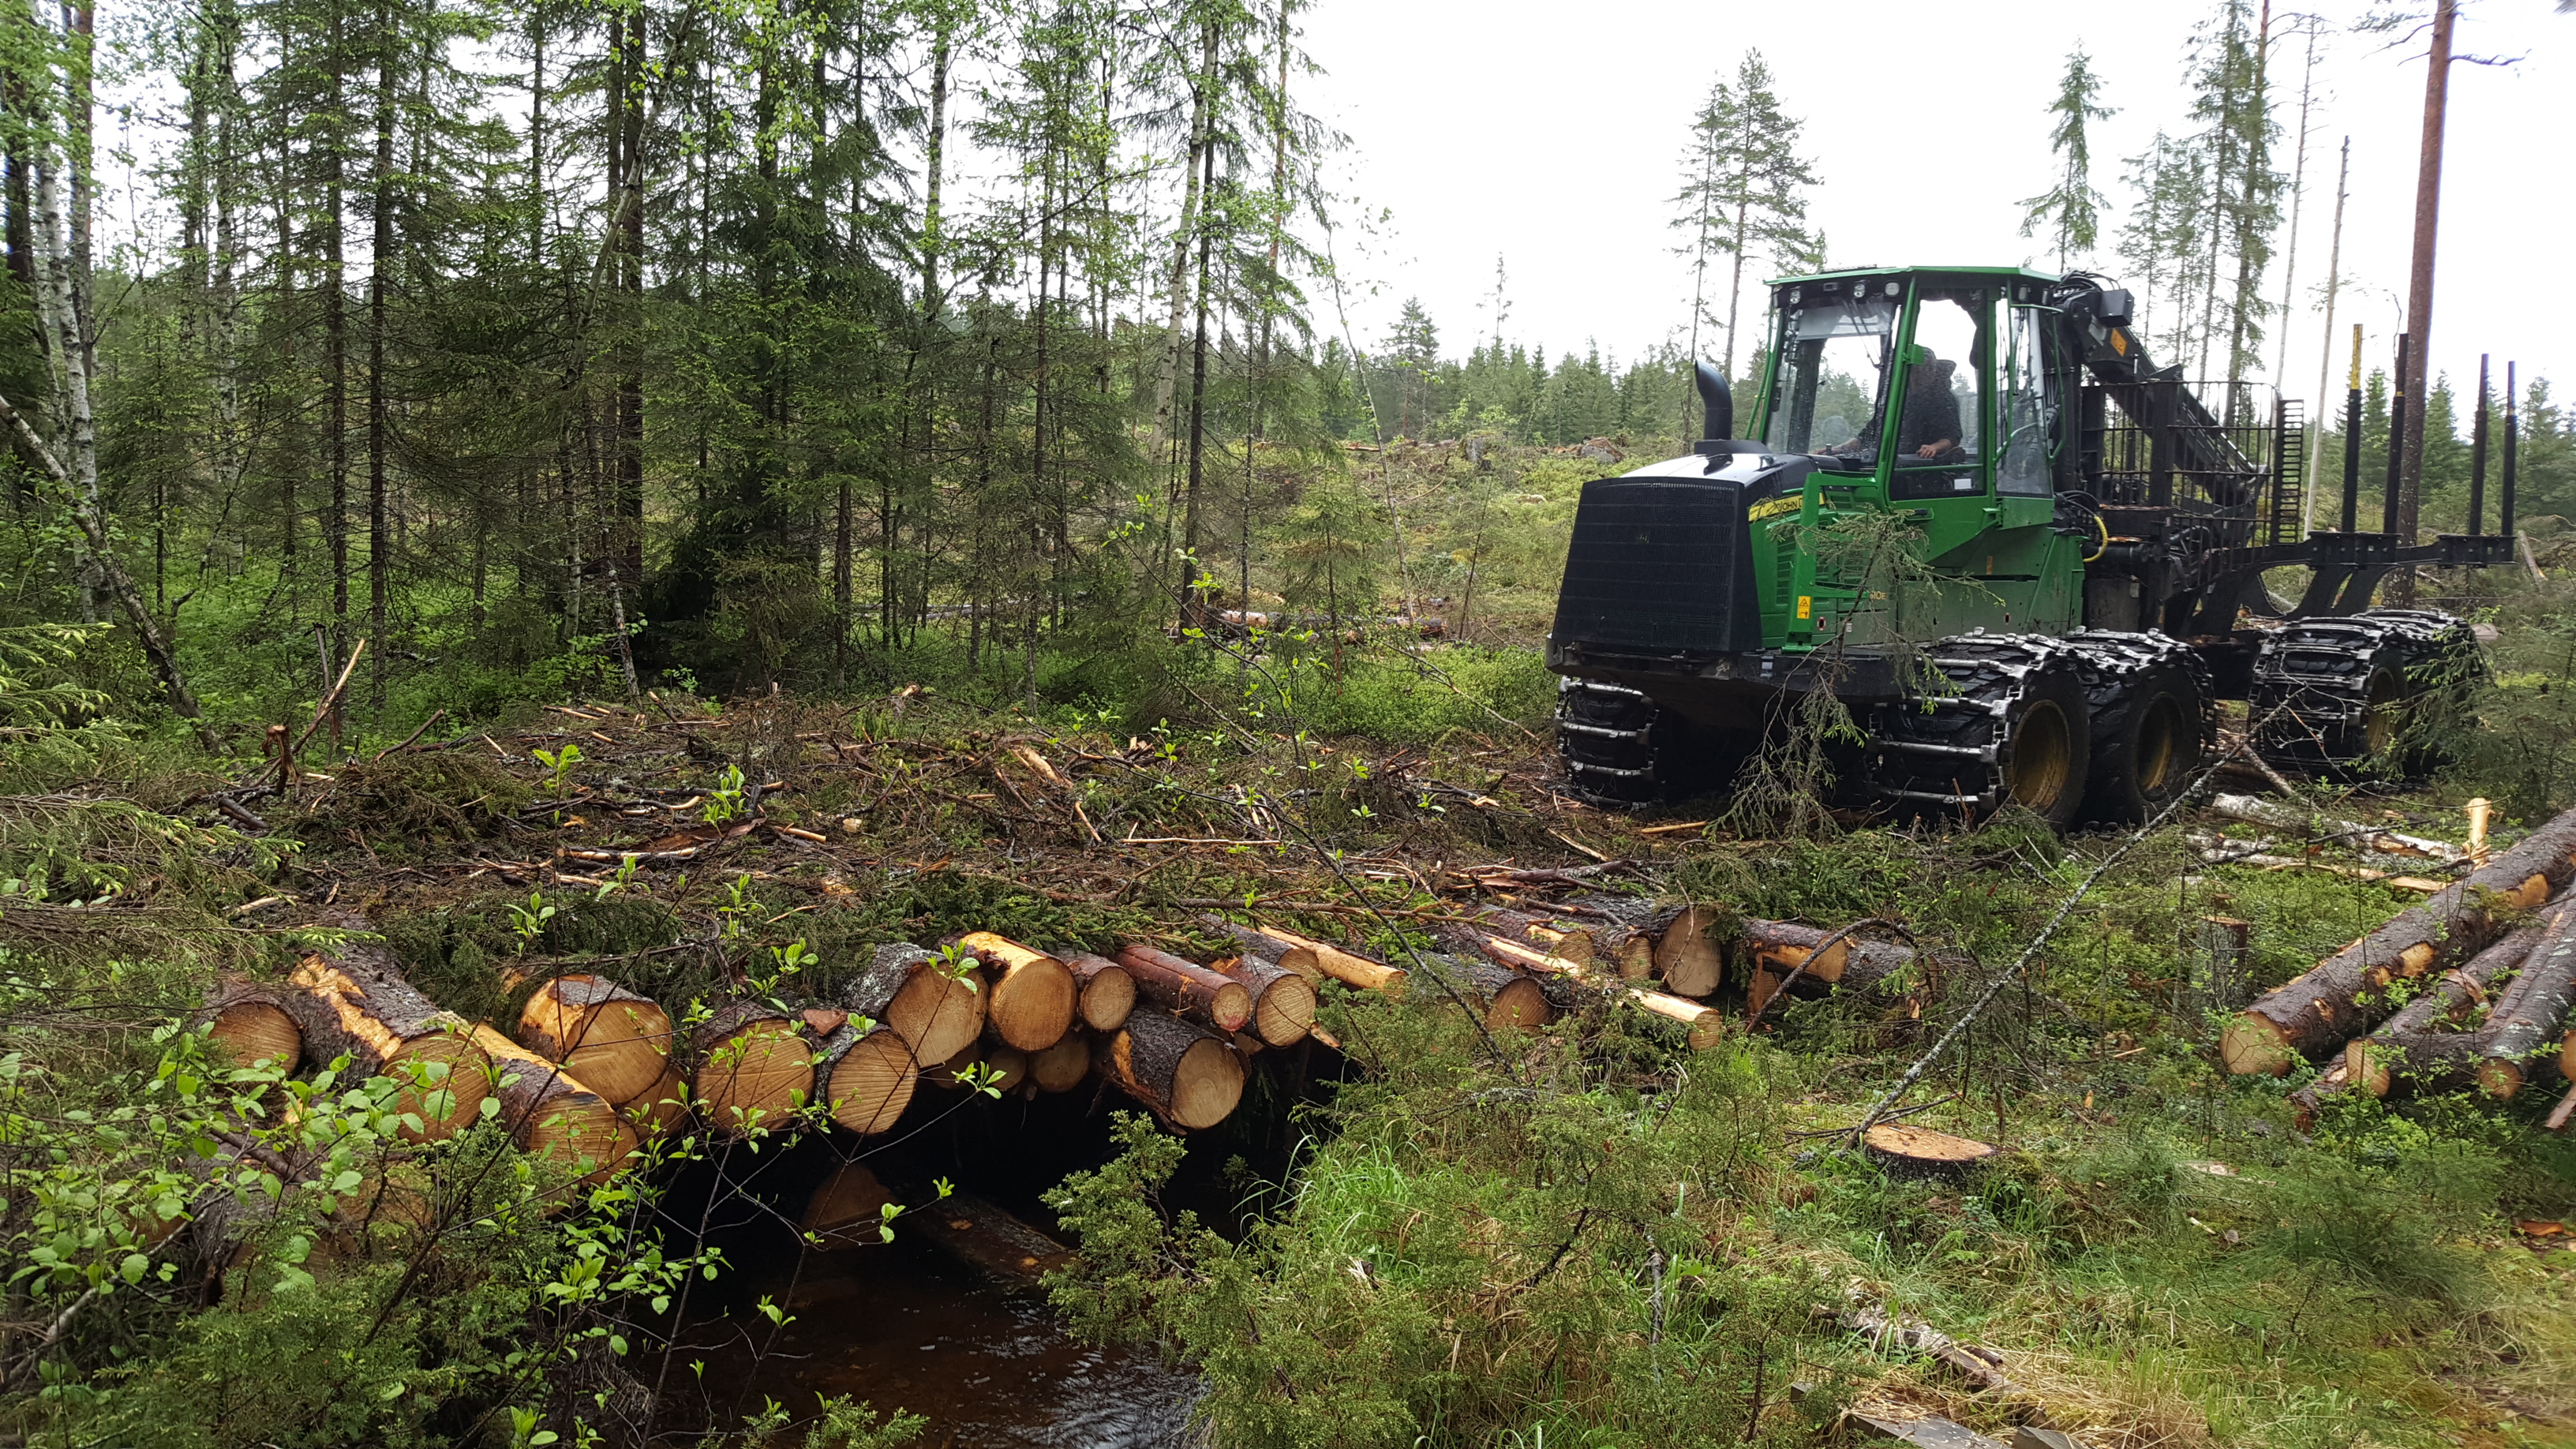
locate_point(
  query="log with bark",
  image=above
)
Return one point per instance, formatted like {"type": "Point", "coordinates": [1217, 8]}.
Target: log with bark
{"type": "Point", "coordinates": [1062, 1067]}
{"type": "Point", "coordinates": [907, 988]}
{"type": "Point", "coordinates": [1565, 939]}
{"type": "Point", "coordinates": [250, 1021]}
{"type": "Point", "coordinates": [2281, 815]}
{"type": "Point", "coordinates": [2433, 1044]}
{"type": "Point", "coordinates": [1687, 960]}
{"type": "Point", "coordinates": [551, 1113]}
{"type": "Point", "coordinates": [2346, 994]}
{"type": "Point", "coordinates": [1283, 1004]}
{"type": "Point", "coordinates": [1105, 993]}
{"type": "Point", "coordinates": [2522, 1029]}
{"type": "Point", "coordinates": [754, 1066]}
{"type": "Point", "coordinates": [1189, 1076]}
{"type": "Point", "coordinates": [1702, 1026]}
{"type": "Point", "coordinates": [1781, 956]}
{"type": "Point", "coordinates": [1289, 955]}
{"type": "Point", "coordinates": [1032, 992]}
{"type": "Point", "coordinates": [1211, 998]}
{"type": "Point", "coordinates": [866, 1077]}
{"type": "Point", "coordinates": [614, 1040]}
{"type": "Point", "coordinates": [1509, 1000]}
{"type": "Point", "coordinates": [1352, 970]}
{"type": "Point", "coordinates": [353, 1000]}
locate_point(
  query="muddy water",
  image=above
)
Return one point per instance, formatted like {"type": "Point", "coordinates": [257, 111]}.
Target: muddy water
{"type": "Point", "coordinates": [912, 1324]}
{"type": "Point", "coordinates": [908, 1326]}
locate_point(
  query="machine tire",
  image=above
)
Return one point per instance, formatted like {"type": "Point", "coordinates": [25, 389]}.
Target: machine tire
{"type": "Point", "coordinates": [2153, 722]}
{"type": "Point", "coordinates": [1606, 738]}
{"type": "Point", "coordinates": [2014, 728]}
{"type": "Point", "coordinates": [2372, 692]}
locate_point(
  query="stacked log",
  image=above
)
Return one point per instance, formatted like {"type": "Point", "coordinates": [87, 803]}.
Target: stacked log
{"type": "Point", "coordinates": [660, 1110]}
{"type": "Point", "coordinates": [1283, 1003]}
{"type": "Point", "coordinates": [1032, 992]}
{"type": "Point", "coordinates": [1190, 1076]}
{"type": "Point", "coordinates": [614, 1040]}
{"type": "Point", "coordinates": [1064, 1066]}
{"type": "Point", "coordinates": [1352, 970]}
{"type": "Point", "coordinates": [253, 1026]}
{"type": "Point", "coordinates": [865, 1076]}
{"type": "Point", "coordinates": [1509, 1000]}
{"type": "Point", "coordinates": [551, 1113]}
{"type": "Point", "coordinates": [1104, 992]}
{"type": "Point", "coordinates": [2346, 994]}
{"type": "Point", "coordinates": [1688, 961]}
{"type": "Point", "coordinates": [2523, 1025]}
{"type": "Point", "coordinates": [2431, 1045]}
{"type": "Point", "coordinates": [1702, 1026]}
{"type": "Point", "coordinates": [1781, 954]}
{"type": "Point", "coordinates": [755, 1067]}
{"type": "Point", "coordinates": [1564, 939]}
{"type": "Point", "coordinates": [905, 987]}
{"type": "Point", "coordinates": [354, 1001]}
{"type": "Point", "coordinates": [1186, 988]}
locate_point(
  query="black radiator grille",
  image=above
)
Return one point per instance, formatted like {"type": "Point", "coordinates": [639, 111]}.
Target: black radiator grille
{"type": "Point", "coordinates": [1659, 565]}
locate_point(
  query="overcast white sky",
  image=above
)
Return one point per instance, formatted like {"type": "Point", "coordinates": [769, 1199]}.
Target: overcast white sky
{"type": "Point", "coordinates": [1552, 134]}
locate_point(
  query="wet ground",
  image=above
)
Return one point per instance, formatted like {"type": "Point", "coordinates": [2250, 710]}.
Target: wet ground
{"type": "Point", "coordinates": [909, 1326]}
{"type": "Point", "coordinates": [917, 1324]}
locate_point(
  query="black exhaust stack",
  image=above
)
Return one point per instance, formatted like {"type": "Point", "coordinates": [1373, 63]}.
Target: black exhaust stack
{"type": "Point", "coordinates": [1716, 404]}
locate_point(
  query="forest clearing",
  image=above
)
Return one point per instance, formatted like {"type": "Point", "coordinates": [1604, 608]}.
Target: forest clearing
{"type": "Point", "coordinates": [755, 726]}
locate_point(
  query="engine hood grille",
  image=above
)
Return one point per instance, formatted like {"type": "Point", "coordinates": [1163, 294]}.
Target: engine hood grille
{"type": "Point", "coordinates": [1659, 565]}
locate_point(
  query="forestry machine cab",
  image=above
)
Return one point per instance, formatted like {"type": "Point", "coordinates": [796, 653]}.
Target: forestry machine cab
{"type": "Point", "coordinates": [2026, 558]}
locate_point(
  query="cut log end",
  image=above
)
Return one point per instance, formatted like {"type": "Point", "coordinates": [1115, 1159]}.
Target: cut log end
{"type": "Point", "coordinates": [1285, 1011]}
{"type": "Point", "coordinates": [1518, 1005]}
{"type": "Point", "coordinates": [2255, 1046]}
{"type": "Point", "coordinates": [755, 1075]}
{"type": "Point", "coordinates": [252, 1031]}
{"type": "Point", "coordinates": [1920, 1151]}
{"type": "Point", "coordinates": [873, 1082]}
{"type": "Point", "coordinates": [444, 1084]}
{"type": "Point", "coordinates": [1703, 1026]}
{"type": "Point", "coordinates": [1062, 1067]}
{"type": "Point", "coordinates": [1189, 1077]}
{"type": "Point", "coordinates": [1688, 962]}
{"type": "Point", "coordinates": [1032, 992]}
{"type": "Point", "coordinates": [1108, 994]}
{"type": "Point", "coordinates": [613, 1039]}
{"type": "Point", "coordinates": [660, 1110]}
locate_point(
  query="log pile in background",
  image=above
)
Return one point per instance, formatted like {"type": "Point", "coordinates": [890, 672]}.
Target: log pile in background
{"type": "Point", "coordinates": [2347, 994]}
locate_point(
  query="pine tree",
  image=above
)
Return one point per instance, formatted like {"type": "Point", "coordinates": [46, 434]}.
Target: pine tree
{"type": "Point", "coordinates": [2071, 211]}
{"type": "Point", "coordinates": [1744, 188]}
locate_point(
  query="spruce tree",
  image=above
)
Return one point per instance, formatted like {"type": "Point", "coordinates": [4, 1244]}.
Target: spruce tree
{"type": "Point", "coordinates": [2070, 212]}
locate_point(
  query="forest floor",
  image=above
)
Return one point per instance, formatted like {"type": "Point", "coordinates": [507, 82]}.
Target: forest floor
{"type": "Point", "coordinates": [2161, 1256]}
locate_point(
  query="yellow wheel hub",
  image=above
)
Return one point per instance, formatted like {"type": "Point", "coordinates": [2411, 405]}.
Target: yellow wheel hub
{"type": "Point", "coordinates": [2043, 758]}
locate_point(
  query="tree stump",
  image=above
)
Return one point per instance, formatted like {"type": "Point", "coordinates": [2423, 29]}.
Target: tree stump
{"type": "Point", "coordinates": [1921, 1152]}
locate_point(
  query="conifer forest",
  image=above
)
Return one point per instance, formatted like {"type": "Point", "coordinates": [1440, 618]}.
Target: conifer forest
{"type": "Point", "coordinates": [796, 723]}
